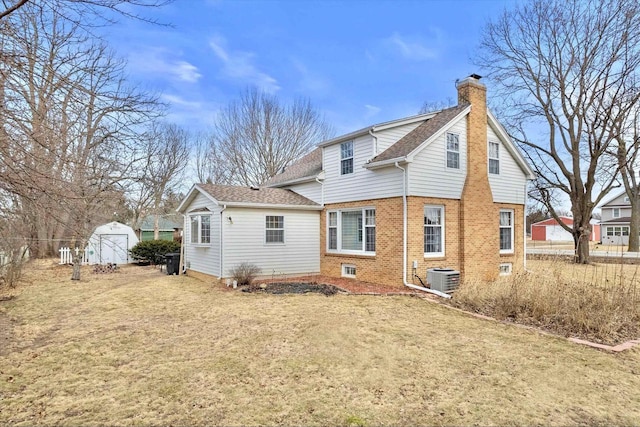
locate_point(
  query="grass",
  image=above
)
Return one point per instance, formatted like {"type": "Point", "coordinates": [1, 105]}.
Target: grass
{"type": "Point", "coordinates": [142, 348]}
{"type": "Point", "coordinates": [597, 302]}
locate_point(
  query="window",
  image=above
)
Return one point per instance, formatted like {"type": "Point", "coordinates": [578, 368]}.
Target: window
{"type": "Point", "coordinates": [201, 229]}
{"type": "Point", "coordinates": [333, 231]}
{"type": "Point", "coordinates": [346, 158]}
{"type": "Point", "coordinates": [348, 270]}
{"type": "Point", "coordinates": [274, 230]}
{"type": "Point", "coordinates": [352, 231]}
{"type": "Point", "coordinates": [433, 231]}
{"type": "Point", "coordinates": [626, 199]}
{"type": "Point", "coordinates": [506, 231]}
{"type": "Point", "coordinates": [494, 158]}
{"type": "Point", "coordinates": [616, 212]}
{"type": "Point", "coordinates": [453, 151]}
{"type": "Point", "coordinates": [506, 268]}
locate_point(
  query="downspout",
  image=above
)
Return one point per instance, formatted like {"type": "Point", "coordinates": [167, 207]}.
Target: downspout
{"type": "Point", "coordinates": [524, 214]}
{"type": "Point", "coordinates": [375, 144]}
{"type": "Point", "coordinates": [404, 240]}
{"type": "Point", "coordinates": [321, 191]}
{"type": "Point", "coordinates": [221, 239]}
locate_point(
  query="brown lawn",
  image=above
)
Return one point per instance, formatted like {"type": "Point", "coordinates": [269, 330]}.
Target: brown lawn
{"type": "Point", "coordinates": [141, 348]}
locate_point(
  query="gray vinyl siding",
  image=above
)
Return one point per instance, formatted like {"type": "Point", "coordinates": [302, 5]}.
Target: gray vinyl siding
{"type": "Point", "coordinates": [509, 186]}
{"type": "Point", "coordinates": [607, 213]}
{"type": "Point", "coordinates": [205, 258]}
{"type": "Point", "coordinates": [310, 190]}
{"type": "Point", "coordinates": [244, 241]}
{"type": "Point", "coordinates": [388, 137]}
{"type": "Point", "coordinates": [618, 201]}
{"type": "Point", "coordinates": [362, 184]}
{"type": "Point", "coordinates": [429, 175]}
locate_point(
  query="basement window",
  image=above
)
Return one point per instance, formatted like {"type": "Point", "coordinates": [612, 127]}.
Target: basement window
{"type": "Point", "coordinates": [349, 270]}
{"type": "Point", "coordinates": [506, 268]}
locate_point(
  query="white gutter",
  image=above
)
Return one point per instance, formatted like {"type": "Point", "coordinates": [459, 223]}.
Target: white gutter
{"type": "Point", "coordinates": [375, 143]}
{"type": "Point", "coordinates": [383, 163]}
{"type": "Point", "coordinates": [221, 239]}
{"type": "Point", "coordinates": [321, 191]}
{"type": "Point", "coordinates": [404, 240]}
{"type": "Point", "coordinates": [524, 214]}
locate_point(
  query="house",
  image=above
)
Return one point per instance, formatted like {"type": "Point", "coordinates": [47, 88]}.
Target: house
{"type": "Point", "coordinates": [550, 230]}
{"type": "Point", "coordinates": [615, 219]}
{"type": "Point", "coordinates": [276, 229]}
{"type": "Point", "coordinates": [168, 229]}
{"type": "Point", "coordinates": [110, 243]}
{"type": "Point", "coordinates": [381, 204]}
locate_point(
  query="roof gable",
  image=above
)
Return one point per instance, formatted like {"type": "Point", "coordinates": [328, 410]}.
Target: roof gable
{"type": "Point", "coordinates": [415, 139]}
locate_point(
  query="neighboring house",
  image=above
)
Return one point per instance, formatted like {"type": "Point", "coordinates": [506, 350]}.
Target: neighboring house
{"type": "Point", "coordinates": [381, 204]}
{"type": "Point", "coordinates": [110, 243]}
{"type": "Point", "coordinates": [616, 216]}
{"type": "Point", "coordinates": [168, 229]}
{"type": "Point", "coordinates": [550, 230]}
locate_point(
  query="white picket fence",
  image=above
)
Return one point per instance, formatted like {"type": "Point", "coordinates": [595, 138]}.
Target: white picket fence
{"type": "Point", "coordinates": [67, 258]}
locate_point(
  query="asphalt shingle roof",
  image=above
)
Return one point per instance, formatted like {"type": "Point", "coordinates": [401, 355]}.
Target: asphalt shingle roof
{"type": "Point", "coordinates": [617, 220]}
{"type": "Point", "coordinates": [307, 166]}
{"type": "Point", "coordinates": [413, 139]}
{"type": "Point", "coordinates": [261, 195]}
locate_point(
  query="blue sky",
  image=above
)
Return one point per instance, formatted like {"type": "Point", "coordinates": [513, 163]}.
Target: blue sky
{"type": "Point", "coordinates": [359, 62]}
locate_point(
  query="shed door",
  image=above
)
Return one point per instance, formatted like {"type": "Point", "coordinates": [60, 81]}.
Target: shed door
{"type": "Point", "coordinates": [113, 248]}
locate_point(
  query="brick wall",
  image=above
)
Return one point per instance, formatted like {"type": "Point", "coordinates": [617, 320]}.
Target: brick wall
{"type": "Point", "coordinates": [479, 216]}
{"type": "Point", "coordinates": [386, 266]}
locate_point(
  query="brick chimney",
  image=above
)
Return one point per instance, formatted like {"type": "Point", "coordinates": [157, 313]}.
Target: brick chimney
{"type": "Point", "coordinates": [479, 216]}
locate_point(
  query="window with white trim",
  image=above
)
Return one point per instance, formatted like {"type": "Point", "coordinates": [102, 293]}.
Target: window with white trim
{"type": "Point", "coordinates": [494, 158]}
{"type": "Point", "coordinates": [200, 229]}
{"type": "Point", "coordinates": [332, 236]}
{"type": "Point", "coordinates": [348, 270]}
{"type": "Point", "coordinates": [626, 199]}
{"type": "Point", "coordinates": [433, 231]}
{"type": "Point", "coordinates": [274, 229]}
{"type": "Point", "coordinates": [346, 158]}
{"type": "Point", "coordinates": [616, 212]}
{"type": "Point", "coordinates": [506, 268]}
{"type": "Point", "coordinates": [453, 151]}
{"type": "Point", "coordinates": [506, 231]}
{"type": "Point", "coordinates": [352, 231]}
{"type": "Point", "coordinates": [617, 231]}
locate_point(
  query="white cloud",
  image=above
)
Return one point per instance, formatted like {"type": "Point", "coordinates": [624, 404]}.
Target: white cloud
{"type": "Point", "coordinates": [414, 48]}
{"type": "Point", "coordinates": [155, 61]}
{"type": "Point", "coordinates": [372, 110]}
{"type": "Point", "coordinates": [238, 65]}
{"type": "Point", "coordinates": [311, 82]}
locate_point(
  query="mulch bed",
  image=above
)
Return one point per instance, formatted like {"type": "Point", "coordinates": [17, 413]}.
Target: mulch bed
{"type": "Point", "coordinates": [293, 288]}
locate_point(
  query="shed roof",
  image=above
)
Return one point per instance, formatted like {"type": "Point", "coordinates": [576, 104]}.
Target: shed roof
{"type": "Point", "coordinates": [164, 224]}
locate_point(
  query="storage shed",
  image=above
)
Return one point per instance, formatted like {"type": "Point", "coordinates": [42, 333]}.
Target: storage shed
{"type": "Point", "coordinates": [110, 243]}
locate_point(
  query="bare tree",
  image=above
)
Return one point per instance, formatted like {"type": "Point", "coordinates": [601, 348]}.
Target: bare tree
{"type": "Point", "coordinates": [69, 125]}
{"type": "Point", "coordinates": [76, 10]}
{"type": "Point", "coordinates": [429, 106]}
{"type": "Point", "coordinates": [257, 135]}
{"type": "Point", "coordinates": [210, 164]}
{"type": "Point", "coordinates": [166, 158]}
{"type": "Point", "coordinates": [626, 155]}
{"type": "Point", "coordinates": [566, 70]}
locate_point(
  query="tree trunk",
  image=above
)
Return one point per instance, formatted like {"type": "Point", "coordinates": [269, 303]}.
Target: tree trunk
{"type": "Point", "coordinates": [156, 226]}
{"type": "Point", "coordinates": [634, 227]}
{"type": "Point", "coordinates": [581, 234]}
{"type": "Point", "coordinates": [77, 262]}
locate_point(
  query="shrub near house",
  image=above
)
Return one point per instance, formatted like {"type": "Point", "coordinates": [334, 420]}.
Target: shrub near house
{"type": "Point", "coordinates": [154, 250]}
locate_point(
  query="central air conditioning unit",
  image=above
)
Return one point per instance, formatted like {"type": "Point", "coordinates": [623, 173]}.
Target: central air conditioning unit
{"type": "Point", "coordinates": [443, 279]}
